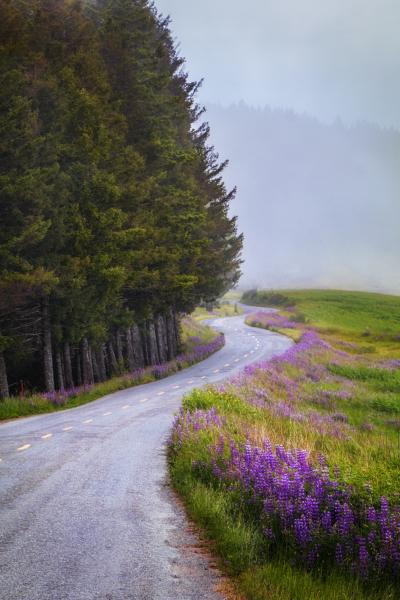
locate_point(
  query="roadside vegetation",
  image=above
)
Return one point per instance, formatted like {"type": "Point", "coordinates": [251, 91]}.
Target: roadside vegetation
{"type": "Point", "coordinates": [292, 468]}
{"type": "Point", "coordinates": [114, 214]}
{"type": "Point", "coordinates": [198, 342]}
{"type": "Point", "coordinates": [223, 309]}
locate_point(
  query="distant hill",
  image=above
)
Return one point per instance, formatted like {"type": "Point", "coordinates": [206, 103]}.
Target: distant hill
{"type": "Point", "coordinates": [319, 204]}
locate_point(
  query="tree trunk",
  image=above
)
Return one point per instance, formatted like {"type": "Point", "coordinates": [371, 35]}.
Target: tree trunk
{"type": "Point", "coordinates": [143, 344]}
{"type": "Point", "coordinates": [101, 363]}
{"type": "Point", "coordinates": [113, 359]}
{"type": "Point", "coordinates": [69, 380]}
{"type": "Point", "coordinates": [96, 370]}
{"type": "Point", "coordinates": [130, 354]}
{"type": "Point", "coordinates": [78, 362]}
{"type": "Point", "coordinates": [60, 374]}
{"type": "Point", "coordinates": [120, 351]}
{"type": "Point", "coordinates": [87, 367]}
{"type": "Point", "coordinates": [4, 391]}
{"type": "Point", "coordinates": [177, 329]}
{"type": "Point", "coordinates": [138, 346]}
{"type": "Point", "coordinates": [152, 343]}
{"type": "Point", "coordinates": [48, 366]}
{"type": "Point", "coordinates": [171, 338]}
{"type": "Point", "coordinates": [162, 342]}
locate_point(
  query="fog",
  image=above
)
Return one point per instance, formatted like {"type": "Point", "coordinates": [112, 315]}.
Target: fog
{"type": "Point", "coordinates": [318, 188]}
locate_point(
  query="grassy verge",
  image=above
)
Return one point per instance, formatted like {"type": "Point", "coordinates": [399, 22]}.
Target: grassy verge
{"type": "Point", "coordinates": [225, 309]}
{"type": "Point", "coordinates": [340, 404]}
{"type": "Point", "coordinates": [198, 343]}
{"type": "Point", "coordinates": [369, 321]}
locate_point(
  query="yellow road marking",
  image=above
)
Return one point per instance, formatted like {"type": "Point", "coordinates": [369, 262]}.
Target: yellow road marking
{"type": "Point", "coordinates": [25, 447]}
{"type": "Point", "coordinates": [47, 436]}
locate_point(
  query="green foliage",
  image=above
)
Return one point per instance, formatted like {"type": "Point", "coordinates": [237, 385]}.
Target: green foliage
{"type": "Point", "coordinates": [112, 203]}
{"type": "Point", "coordinates": [265, 298]}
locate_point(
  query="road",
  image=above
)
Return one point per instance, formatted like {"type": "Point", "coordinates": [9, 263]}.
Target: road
{"type": "Point", "coordinates": [85, 509]}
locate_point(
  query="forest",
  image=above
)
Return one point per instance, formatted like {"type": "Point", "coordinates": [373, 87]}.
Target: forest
{"type": "Point", "coordinates": [114, 213]}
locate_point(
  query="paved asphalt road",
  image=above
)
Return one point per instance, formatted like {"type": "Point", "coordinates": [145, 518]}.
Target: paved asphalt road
{"type": "Point", "coordinates": [85, 509]}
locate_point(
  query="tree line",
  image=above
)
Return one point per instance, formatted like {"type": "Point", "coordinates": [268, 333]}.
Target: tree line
{"type": "Point", "coordinates": [113, 209]}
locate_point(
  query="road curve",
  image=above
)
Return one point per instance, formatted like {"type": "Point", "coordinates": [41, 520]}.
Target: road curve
{"type": "Point", "coordinates": [85, 509]}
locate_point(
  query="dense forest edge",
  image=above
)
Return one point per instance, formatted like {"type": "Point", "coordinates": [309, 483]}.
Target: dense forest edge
{"type": "Point", "coordinates": [114, 213]}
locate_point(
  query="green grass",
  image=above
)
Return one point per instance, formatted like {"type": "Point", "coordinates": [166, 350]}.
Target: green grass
{"type": "Point", "coordinates": [228, 524]}
{"type": "Point", "coordinates": [225, 309]}
{"type": "Point", "coordinates": [193, 333]}
{"type": "Point", "coordinates": [366, 318]}
{"type": "Point", "coordinates": [17, 406]}
{"type": "Point", "coordinates": [362, 331]}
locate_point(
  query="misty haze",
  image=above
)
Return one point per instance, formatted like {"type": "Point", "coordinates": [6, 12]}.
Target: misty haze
{"type": "Point", "coordinates": [303, 98]}
{"type": "Point", "coordinates": [199, 300]}
{"type": "Point", "coordinates": [319, 204]}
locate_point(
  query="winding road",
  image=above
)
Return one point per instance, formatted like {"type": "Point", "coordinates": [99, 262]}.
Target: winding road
{"type": "Point", "coordinates": [85, 509]}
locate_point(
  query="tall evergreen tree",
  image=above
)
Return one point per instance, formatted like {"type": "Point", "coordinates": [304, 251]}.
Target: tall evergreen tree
{"type": "Point", "coordinates": [114, 214]}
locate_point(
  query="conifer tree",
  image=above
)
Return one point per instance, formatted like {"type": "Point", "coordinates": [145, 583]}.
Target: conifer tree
{"type": "Point", "coordinates": [114, 214]}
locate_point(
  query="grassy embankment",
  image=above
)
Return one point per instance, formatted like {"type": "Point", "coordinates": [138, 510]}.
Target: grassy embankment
{"type": "Point", "coordinates": [336, 394]}
{"type": "Point", "coordinates": [198, 342]}
{"type": "Point", "coordinates": [225, 309]}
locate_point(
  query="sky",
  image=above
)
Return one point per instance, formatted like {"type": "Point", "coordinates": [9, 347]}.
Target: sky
{"type": "Point", "coordinates": [329, 58]}
{"type": "Point", "coordinates": [318, 197]}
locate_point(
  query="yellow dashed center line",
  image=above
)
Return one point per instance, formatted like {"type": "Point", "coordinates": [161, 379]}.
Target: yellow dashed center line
{"type": "Point", "coordinates": [47, 436]}
{"type": "Point", "coordinates": [25, 447]}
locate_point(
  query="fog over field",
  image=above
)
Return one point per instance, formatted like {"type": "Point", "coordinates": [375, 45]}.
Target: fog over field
{"type": "Point", "coordinates": [319, 204]}
{"type": "Point", "coordinates": [318, 173]}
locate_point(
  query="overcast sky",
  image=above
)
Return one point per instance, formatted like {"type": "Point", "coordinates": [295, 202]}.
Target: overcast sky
{"type": "Point", "coordinates": [326, 57]}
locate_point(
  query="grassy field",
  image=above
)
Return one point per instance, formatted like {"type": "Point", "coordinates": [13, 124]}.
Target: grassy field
{"type": "Point", "coordinates": [325, 417]}
{"type": "Point", "coordinates": [225, 309]}
{"type": "Point", "coordinates": [198, 342]}
{"type": "Point", "coordinates": [361, 317]}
